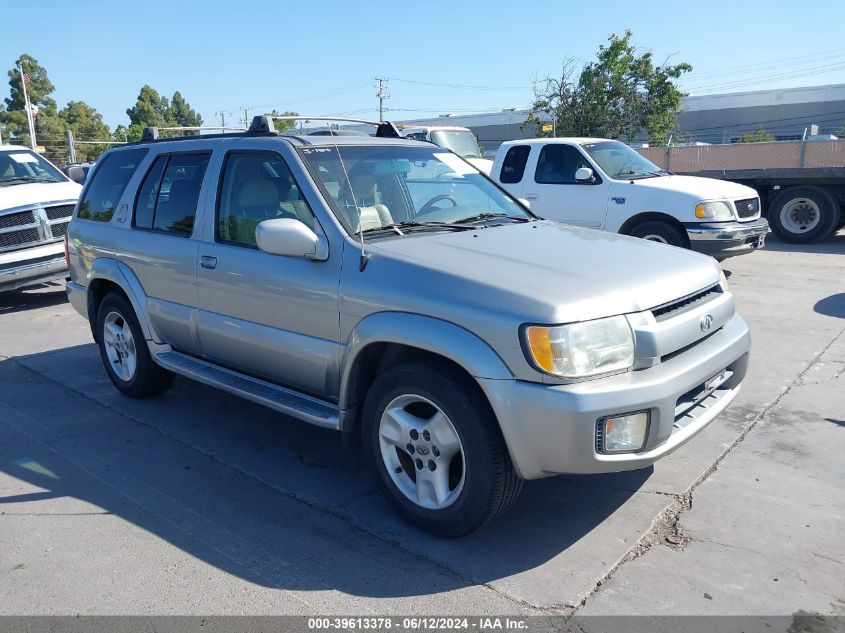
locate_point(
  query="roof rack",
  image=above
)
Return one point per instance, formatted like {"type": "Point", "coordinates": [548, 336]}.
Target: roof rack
{"type": "Point", "coordinates": [152, 133]}
{"type": "Point", "coordinates": [263, 123]}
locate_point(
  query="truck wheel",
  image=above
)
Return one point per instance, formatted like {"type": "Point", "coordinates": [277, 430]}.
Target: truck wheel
{"type": "Point", "coordinates": [436, 449]}
{"type": "Point", "coordinates": [803, 214]}
{"type": "Point", "coordinates": [657, 231]}
{"type": "Point", "coordinates": [124, 351]}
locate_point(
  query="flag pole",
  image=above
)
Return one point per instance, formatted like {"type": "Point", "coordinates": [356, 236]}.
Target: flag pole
{"type": "Point", "coordinates": [28, 109]}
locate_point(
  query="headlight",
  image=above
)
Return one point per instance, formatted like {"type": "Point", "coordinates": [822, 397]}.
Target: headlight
{"type": "Point", "coordinates": [714, 211]}
{"type": "Point", "coordinates": [582, 349]}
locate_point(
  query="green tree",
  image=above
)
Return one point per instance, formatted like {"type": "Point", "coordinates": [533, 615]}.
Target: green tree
{"type": "Point", "coordinates": [39, 89]}
{"type": "Point", "coordinates": [181, 112]}
{"type": "Point", "coordinates": [758, 136]}
{"type": "Point", "coordinates": [619, 95]}
{"type": "Point", "coordinates": [87, 125]}
{"type": "Point", "coordinates": [150, 109]}
{"type": "Point", "coordinates": [281, 126]}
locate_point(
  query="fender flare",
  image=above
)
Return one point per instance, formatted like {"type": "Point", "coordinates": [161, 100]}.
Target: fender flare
{"type": "Point", "coordinates": [120, 274]}
{"type": "Point", "coordinates": [430, 334]}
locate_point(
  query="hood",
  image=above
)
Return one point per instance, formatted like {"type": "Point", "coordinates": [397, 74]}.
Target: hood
{"type": "Point", "coordinates": [13, 196]}
{"type": "Point", "coordinates": [698, 188]}
{"type": "Point", "coordinates": [552, 273]}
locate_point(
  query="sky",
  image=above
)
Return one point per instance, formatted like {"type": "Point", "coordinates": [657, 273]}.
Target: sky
{"type": "Point", "coordinates": [438, 56]}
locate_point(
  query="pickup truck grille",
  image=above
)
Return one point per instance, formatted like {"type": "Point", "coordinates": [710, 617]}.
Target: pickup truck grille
{"type": "Point", "coordinates": [16, 219]}
{"type": "Point", "coordinates": [31, 227]}
{"type": "Point", "coordinates": [747, 208]}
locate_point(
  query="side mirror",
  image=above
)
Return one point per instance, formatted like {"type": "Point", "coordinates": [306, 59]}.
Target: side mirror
{"type": "Point", "coordinates": [290, 238]}
{"type": "Point", "coordinates": [584, 175]}
{"type": "Point", "coordinates": [524, 202]}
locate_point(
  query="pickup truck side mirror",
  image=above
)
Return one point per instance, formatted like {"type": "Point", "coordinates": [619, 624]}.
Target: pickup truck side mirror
{"type": "Point", "coordinates": [525, 203]}
{"type": "Point", "coordinates": [584, 176]}
{"type": "Point", "coordinates": [290, 238]}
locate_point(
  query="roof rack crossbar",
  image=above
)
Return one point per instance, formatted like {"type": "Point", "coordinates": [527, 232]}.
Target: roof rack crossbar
{"type": "Point", "coordinates": [263, 123]}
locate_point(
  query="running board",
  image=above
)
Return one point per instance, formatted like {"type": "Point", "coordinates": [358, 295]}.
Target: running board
{"type": "Point", "coordinates": [287, 401]}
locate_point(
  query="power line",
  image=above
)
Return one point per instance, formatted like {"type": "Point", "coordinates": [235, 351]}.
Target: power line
{"type": "Point", "coordinates": [460, 86]}
{"type": "Point", "coordinates": [800, 60]}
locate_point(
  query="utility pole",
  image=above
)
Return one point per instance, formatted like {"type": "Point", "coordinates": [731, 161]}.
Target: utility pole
{"type": "Point", "coordinates": [71, 148]}
{"type": "Point", "coordinates": [382, 94]}
{"type": "Point", "coordinates": [222, 114]}
{"type": "Point", "coordinates": [246, 116]}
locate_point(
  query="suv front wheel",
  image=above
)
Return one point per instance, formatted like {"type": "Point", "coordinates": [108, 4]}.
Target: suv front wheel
{"type": "Point", "coordinates": [124, 351]}
{"type": "Point", "coordinates": [436, 449]}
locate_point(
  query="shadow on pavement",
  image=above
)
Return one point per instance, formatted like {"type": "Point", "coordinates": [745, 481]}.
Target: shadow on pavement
{"type": "Point", "coordinates": [834, 306]}
{"type": "Point", "coordinates": [42, 296]}
{"type": "Point", "coordinates": [833, 245]}
{"type": "Point", "coordinates": [261, 496]}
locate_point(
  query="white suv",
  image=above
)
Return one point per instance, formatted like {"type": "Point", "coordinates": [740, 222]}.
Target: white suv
{"type": "Point", "coordinates": [36, 203]}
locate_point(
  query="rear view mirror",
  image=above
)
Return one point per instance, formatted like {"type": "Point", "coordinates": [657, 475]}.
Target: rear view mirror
{"type": "Point", "coordinates": [290, 238]}
{"type": "Point", "coordinates": [584, 175]}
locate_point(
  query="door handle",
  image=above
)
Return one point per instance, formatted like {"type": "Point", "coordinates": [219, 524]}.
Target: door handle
{"type": "Point", "coordinates": [206, 261]}
{"type": "Point", "coordinates": [532, 196]}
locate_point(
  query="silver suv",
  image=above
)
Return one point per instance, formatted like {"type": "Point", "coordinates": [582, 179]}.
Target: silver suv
{"type": "Point", "coordinates": [384, 287]}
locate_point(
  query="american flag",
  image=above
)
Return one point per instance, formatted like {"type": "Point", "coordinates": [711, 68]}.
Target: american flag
{"type": "Point", "coordinates": [27, 79]}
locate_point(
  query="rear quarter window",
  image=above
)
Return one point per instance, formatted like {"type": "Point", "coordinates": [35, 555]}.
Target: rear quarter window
{"type": "Point", "coordinates": [513, 167]}
{"type": "Point", "coordinates": [108, 184]}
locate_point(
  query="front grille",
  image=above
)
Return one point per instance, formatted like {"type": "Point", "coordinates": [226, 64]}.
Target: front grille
{"type": "Point", "coordinates": [747, 208]}
{"type": "Point", "coordinates": [59, 212]}
{"type": "Point", "coordinates": [59, 229]}
{"type": "Point", "coordinates": [16, 219]}
{"type": "Point", "coordinates": [675, 308]}
{"type": "Point", "coordinates": [18, 238]}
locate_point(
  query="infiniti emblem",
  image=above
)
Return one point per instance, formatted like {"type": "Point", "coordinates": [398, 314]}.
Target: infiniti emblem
{"type": "Point", "coordinates": [706, 323]}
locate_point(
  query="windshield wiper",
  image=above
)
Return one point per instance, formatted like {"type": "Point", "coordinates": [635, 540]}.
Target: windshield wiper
{"type": "Point", "coordinates": [491, 216]}
{"type": "Point", "coordinates": [17, 180]}
{"type": "Point", "coordinates": [413, 224]}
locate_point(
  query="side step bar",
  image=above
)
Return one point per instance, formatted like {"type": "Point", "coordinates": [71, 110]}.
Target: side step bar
{"type": "Point", "coordinates": [287, 401]}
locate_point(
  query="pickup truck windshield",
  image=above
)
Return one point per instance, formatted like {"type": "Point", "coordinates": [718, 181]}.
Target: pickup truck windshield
{"type": "Point", "coordinates": [462, 142]}
{"type": "Point", "coordinates": [384, 186]}
{"type": "Point", "coordinates": [618, 160]}
{"type": "Point", "coordinates": [20, 166]}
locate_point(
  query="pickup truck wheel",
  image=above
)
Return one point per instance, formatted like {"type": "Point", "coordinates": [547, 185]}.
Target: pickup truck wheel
{"type": "Point", "coordinates": [124, 351]}
{"type": "Point", "coordinates": [803, 214]}
{"type": "Point", "coordinates": [657, 231]}
{"type": "Point", "coordinates": [436, 449]}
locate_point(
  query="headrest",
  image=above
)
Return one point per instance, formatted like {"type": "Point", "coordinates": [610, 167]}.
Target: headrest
{"type": "Point", "coordinates": [258, 192]}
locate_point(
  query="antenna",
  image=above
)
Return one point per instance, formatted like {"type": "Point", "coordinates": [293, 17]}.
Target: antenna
{"type": "Point", "coordinates": [362, 263]}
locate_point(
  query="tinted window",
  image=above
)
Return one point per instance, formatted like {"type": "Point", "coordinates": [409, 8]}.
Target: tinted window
{"type": "Point", "coordinates": [513, 167]}
{"type": "Point", "coordinates": [557, 165]}
{"type": "Point", "coordinates": [167, 199]}
{"type": "Point", "coordinates": [256, 186]}
{"type": "Point", "coordinates": [110, 180]}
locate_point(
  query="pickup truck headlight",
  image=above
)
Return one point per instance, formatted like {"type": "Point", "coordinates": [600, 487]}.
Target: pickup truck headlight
{"type": "Point", "coordinates": [583, 349]}
{"type": "Point", "coordinates": [717, 210]}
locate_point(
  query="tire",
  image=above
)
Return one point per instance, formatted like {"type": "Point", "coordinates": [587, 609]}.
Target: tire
{"type": "Point", "coordinates": [657, 231]}
{"type": "Point", "coordinates": [124, 351]}
{"type": "Point", "coordinates": [480, 480]}
{"type": "Point", "coordinates": [803, 214]}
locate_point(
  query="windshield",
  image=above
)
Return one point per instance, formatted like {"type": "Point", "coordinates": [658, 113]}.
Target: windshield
{"type": "Point", "coordinates": [22, 166]}
{"type": "Point", "coordinates": [462, 142]}
{"type": "Point", "coordinates": [386, 186]}
{"type": "Point", "coordinates": [618, 160]}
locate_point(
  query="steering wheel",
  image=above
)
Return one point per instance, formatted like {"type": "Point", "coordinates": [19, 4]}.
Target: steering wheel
{"type": "Point", "coordinates": [428, 207]}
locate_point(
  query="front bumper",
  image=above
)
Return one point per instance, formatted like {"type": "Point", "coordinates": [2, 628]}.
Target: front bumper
{"type": "Point", "coordinates": [551, 430]}
{"type": "Point", "coordinates": [41, 264]}
{"type": "Point", "coordinates": [726, 239]}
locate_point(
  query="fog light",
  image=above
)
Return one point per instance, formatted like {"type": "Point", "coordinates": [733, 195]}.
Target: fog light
{"type": "Point", "coordinates": [622, 433]}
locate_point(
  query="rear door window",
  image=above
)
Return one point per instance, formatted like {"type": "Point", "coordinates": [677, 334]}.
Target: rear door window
{"type": "Point", "coordinates": [513, 167]}
{"type": "Point", "coordinates": [167, 199]}
{"type": "Point", "coordinates": [108, 184]}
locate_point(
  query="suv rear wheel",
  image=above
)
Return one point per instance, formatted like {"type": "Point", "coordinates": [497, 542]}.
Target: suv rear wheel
{"type": "Point", "coordinates": [436, 449]}
{"type": "Point", "coordinates": [124, 352]}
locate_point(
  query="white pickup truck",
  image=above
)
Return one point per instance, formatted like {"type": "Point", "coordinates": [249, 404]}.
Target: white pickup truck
{"type": "Point", "coordinates": [36, 204]}
{"type": "Point", "coordinates": [460, 140]}
{"type": "Point", "coordinates": [604, 184]}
